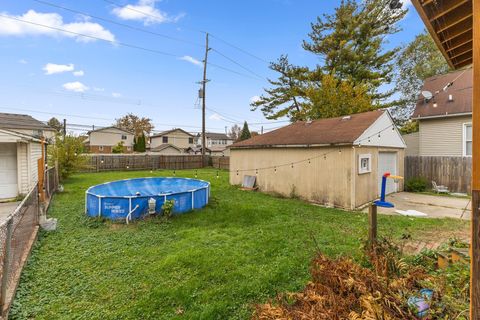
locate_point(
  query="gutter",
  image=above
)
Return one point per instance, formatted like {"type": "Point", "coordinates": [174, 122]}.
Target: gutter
{"type": "Point", "coordinates": [342, 144]}
{"type": "Point", "coordinates": [444, 116]}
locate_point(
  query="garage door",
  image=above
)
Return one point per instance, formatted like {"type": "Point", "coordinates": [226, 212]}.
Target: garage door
{"type": "Point", "coordinates": [387, 162]}
{"type": "Point", "coordinates": [8, 170]}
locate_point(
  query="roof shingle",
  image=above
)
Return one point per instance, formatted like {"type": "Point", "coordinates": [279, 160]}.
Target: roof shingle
{"type": "Point", "coordinates": [319, 132]}
{"type": "Point", "coordinates": [21, 121]}
{"type": "Point", "coordinates": [461, 91]}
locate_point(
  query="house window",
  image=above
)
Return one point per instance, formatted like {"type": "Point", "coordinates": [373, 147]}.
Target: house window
{"type": "Point", "coordinates": [100, 148]}
{"type": "Point", "coordinates": [165, 139]}
{"type": "Point", "coordinates": [467, 140]}
{"type": "Point", "coordinates": [124, 137]}
{"type": "Point", "coordinates": [190, 140]}
{"type": "Point", "coordinates": [364, 163]}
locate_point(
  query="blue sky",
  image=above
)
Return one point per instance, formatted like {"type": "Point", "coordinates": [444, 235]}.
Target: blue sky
{"type": "Point", "coordinates": [47, 72]}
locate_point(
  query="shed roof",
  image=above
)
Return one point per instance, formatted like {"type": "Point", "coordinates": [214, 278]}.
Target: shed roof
{"type": "Point", "coordinates": [21, 121]}
{"type": "Point", "coordinates": [340, 130]}
{"type": "Point", "coordinates": [461, 91]}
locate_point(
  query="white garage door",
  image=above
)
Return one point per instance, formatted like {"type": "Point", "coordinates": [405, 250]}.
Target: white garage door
{"type": "Point", "coordinates": [387, 162]}
{"type": "Point", "coordinates": [8, 170]}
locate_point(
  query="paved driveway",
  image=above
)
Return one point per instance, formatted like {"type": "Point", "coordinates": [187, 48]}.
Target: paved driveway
{"type": "Point", "coordinates": [433, 206]}
{"type": "Point", "coordinates": [6, 209]}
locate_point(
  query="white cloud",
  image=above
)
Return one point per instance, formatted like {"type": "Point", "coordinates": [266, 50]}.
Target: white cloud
{"type": "Point", "coordinates": [22, 61]}
{"type": "Point", "coordinates": [116, 94]}
{"type": "Point", "coordinates": [75, 86]}
{"type": "Point", "coordinates": [79, 73]}
{"type": "Point", "coordinates": [52, 68]}
{"type": "Point", "coordinates": [192, 60]}
{"type": "Point", "coordinates": [215, 117]}
{"type": "Point", "coordinates": [11, 27]}
{"type": "Point", "coordinates": [254, 99]}
{"type": "Point", "coordinates": [145, 11]}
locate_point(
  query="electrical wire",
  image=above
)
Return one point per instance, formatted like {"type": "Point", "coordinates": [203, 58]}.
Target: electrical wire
{"type": "Point", "coordinates": [238, 64]}
{"type": "Point", "coordinates": [119, 23]}
{"type": "Point", "coordinates": [240, 49]}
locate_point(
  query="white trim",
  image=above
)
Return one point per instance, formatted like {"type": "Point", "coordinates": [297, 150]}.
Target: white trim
{"type": "Point", "coordinates": [444, 116]}
{"type": "Point", "coordinates": [361, 157]}
{"type": "Point", "coordinates": [464, 138]}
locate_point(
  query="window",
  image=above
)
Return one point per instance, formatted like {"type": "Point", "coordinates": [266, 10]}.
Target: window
{"type": "Point", "coordinates": [165, 139]}
{"type": "Point", "coordinates": [467, 140]}
{"type": "Point", "coordinates": [100, 148]}
{"type": "Point", "coordinates": [124, 137]}
{"type": "Point", "coordinates": [364, 163]}
{"type": "Point", "coordinates": [190, 140]}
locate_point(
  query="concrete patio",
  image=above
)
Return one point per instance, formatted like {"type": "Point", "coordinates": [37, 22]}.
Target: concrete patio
{"type": "Point", "coordinates": [7, 208]}
{"type": "Point", "coordinates": [433, 206]}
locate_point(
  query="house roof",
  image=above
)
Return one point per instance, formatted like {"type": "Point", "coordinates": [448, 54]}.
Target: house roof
{"type": "Point", "coordinates": [111, 127]}
{"type": "Point", "coordinates": [20, 135]}
{"type": "Point", "coordinates": [461, 91]}
{"type": "Point", "coordinates": [169, 131]}
{"type": "Point", "coordinates": [340, 130]}
{"type": "Point", "coordinates": [164, 146]}
{"type": "Point", "coordinates": [21, 122]}
{"type": "Point", "coordinates": [216, 136]}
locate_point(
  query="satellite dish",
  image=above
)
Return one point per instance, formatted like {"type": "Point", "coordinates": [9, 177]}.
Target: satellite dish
{"type": "Point", "coordinates": [427, 94]}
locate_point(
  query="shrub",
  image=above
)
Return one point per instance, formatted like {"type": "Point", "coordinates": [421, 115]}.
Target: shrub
{"type": "Point", "coordinates": [416, 184]}
{"type": "Point", "coordinates": [66, 152]}
{"type": "Point", "coordinates": [118, 148]}
{"type": "Point", "coordinates": [167, 208]}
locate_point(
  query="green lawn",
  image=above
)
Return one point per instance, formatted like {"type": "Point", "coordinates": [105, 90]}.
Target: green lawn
{"type": "Point", "coordinates": [244, 248]}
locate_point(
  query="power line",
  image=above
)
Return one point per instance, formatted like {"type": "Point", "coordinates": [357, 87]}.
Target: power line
{"type": "Point", "coordinates": [238, 64]}
{"type": "Point", "coordinates": [240, 49]}
{"type": "Point", "coordinates": [119, 23]}
{"type": "Point", "coordinates": [92, 37]}
{"type": "Point", "coordinates": [124, 44]}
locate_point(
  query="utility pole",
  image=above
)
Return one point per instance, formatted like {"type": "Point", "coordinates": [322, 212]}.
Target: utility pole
{"type": "Point", "coordinates": [204, 87]}
{"type": "Point", "coordinates": [64, 128]}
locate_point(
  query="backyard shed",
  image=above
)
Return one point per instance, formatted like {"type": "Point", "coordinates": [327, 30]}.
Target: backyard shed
{"type": "Point", "coordinates": [336, 162]}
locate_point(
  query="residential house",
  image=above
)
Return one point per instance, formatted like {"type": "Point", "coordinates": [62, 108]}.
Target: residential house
{"type": "Point", "coordinates": [445, 120]}
{"type": "Point", "coordinates": [174, 141]}
{"type": "Point", "coordinates": [20, 151]}
{"type": "Point", "coordinates": [214, 139]}
{"type": "Point", "coordinates": [26, 124]}
{"type": "Point", "coordinates": [103, 140]}
{"type": "Point", "coordinates": [337, 162]}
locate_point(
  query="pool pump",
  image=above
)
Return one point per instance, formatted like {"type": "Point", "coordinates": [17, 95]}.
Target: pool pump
{"type": "Point", "coordinates": [152, 203]}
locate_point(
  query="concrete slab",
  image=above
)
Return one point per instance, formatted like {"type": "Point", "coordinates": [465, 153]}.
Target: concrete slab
{"type": "Point", "coordinates": [433, 206]}
{"type": "Point", "coordinates": [6, 209]}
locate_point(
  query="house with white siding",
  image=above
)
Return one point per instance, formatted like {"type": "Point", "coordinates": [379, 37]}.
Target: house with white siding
{"type": "Point", "coordinates": [103, 140]}
{"type": "Point", "coordinates": [445, 120]}
{"type": "Point", "coordinates": [19, 154]}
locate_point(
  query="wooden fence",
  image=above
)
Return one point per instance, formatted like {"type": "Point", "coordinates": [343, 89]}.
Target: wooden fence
{"type": "Point", "coordinates": [221, 162]}
{"type": "Point", "coordinates": [453, 172]}
{"type": "Point", "coordinates": [113, 162]}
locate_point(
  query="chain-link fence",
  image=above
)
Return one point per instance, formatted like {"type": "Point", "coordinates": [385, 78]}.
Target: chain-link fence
{"type": "Point", "coordinates": [17, 235]}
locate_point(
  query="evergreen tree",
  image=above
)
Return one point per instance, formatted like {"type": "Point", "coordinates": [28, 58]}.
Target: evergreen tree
{"type": "Point", "coordinates": [286, 95]}
{"type": "Point", "coordinates": [350, 43]}
{"type": "Point", "coordinates": [141, 141]}
{"type": "Point", "coordinates": [135, 144]}
{"type": "Point", "coordinates": [245, 132]}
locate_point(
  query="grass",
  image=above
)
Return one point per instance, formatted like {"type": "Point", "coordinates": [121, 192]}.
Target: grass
{"type": "Point", "coordinates": [244, 248]}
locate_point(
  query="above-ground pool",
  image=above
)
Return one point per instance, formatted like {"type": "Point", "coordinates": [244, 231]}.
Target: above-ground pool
{"type": "Point", "coordinates": [129, 199]}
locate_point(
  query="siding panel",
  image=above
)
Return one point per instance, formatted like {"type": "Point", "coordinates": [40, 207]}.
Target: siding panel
{"type": "Point", "coordinates": [443, 136]}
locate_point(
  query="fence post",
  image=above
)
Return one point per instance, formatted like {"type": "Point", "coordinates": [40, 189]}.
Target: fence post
{"type": "Point", "coordinates": [372, 224]}
{"type": "Point", "coordinates": [6, 266]}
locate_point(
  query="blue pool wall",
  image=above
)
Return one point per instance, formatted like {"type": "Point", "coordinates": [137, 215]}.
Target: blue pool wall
{"type": "Point", "coordinates": [118, 207]}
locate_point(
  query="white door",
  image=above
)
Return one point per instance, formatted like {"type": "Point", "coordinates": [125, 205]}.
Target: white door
{"type": "Point", "coordinates": [387, 162]}
{"type": "Point", "coordinates": [8, 170]}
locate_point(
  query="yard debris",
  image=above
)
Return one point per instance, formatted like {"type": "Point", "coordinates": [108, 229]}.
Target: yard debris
{"type": "Point", "coordinates": [388, 289]}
